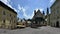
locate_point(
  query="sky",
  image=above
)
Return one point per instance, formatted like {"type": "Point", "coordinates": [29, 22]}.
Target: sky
{"type": "Point", "coordinates": [25, 8]}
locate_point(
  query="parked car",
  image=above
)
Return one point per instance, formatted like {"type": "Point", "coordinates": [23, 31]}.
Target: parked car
{"type": "Point", "coordinates": [21, 25]}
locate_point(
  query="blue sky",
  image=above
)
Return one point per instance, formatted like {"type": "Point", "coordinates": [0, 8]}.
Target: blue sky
{"type": "Point", "coordinates": [25, 8]}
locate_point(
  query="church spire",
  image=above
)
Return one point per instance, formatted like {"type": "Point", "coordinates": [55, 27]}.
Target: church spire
{"type": "Point", "coordinates": [43, 13]}
{"type": "Point", "coordinates": [47, 11]}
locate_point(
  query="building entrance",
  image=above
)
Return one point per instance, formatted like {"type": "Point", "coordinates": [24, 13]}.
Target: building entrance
{"type": "Point", "coordinates": [57, 24]}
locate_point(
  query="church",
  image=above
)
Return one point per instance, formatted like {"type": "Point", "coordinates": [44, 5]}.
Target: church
{"type": "Point", "coordinates": [55, 14]}
{"type": "Point", "coordinates": [38, 19]}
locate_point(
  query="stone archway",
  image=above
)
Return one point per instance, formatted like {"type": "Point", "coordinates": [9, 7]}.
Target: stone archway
{"type": "Point", "coordinates": [57, 24]}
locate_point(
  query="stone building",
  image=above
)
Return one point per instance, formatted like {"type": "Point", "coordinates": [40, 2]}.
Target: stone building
{"type": "Point", "coordinates": [38, 18]}
{"type": "Point", "coordinates": [8, 17]}
{"type": "Point", "coordinates": [55, 14]}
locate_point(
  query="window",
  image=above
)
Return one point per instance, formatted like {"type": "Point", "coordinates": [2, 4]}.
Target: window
{"type": "Point", "coordinates": [10, 14]}
{"type": "Point", "coordinates": [14, 16]}
{"type": "Point", "coordinates": [3, 12]}
{"type": "Point", "coordinates": [14, 21]}
{"type": "Point", "coordinates": [57, 17]}
{"type": "Point", "coordinates": [10, 21]}
{"type": "Point", "coordinates": [57, 11]}
{"type": "Point", "coordinates": [3, 21]}
{"type": "Point", "coordinates": [23, 23]}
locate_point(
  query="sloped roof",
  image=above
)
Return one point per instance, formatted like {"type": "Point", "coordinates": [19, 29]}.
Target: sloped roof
{"type": "Point", "coordinates": [38, 14]}
{"type": "Point", "coordinates": [54, 3]}
{"type": "Point", "coordinates": [7, 7]}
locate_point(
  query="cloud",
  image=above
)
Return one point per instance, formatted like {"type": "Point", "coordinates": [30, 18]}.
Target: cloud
{"type": "Point", "coordinates": [24, 9]}
{"type": "Point", "coordinates": [19, 7]}
{"type": "Point", "coordinates": [32, 14]}
{"type": "Point", "coordinates": [51, 0]}
{"type": "Point", "coordinates": [41, 9]}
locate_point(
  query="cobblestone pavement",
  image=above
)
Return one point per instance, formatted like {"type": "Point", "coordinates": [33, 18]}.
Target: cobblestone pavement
{"type": "Point", "coordinates": [28, 30]}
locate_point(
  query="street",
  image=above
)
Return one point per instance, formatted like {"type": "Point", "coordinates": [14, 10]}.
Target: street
{"type": "Point", "coordinates": [28, 30]}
